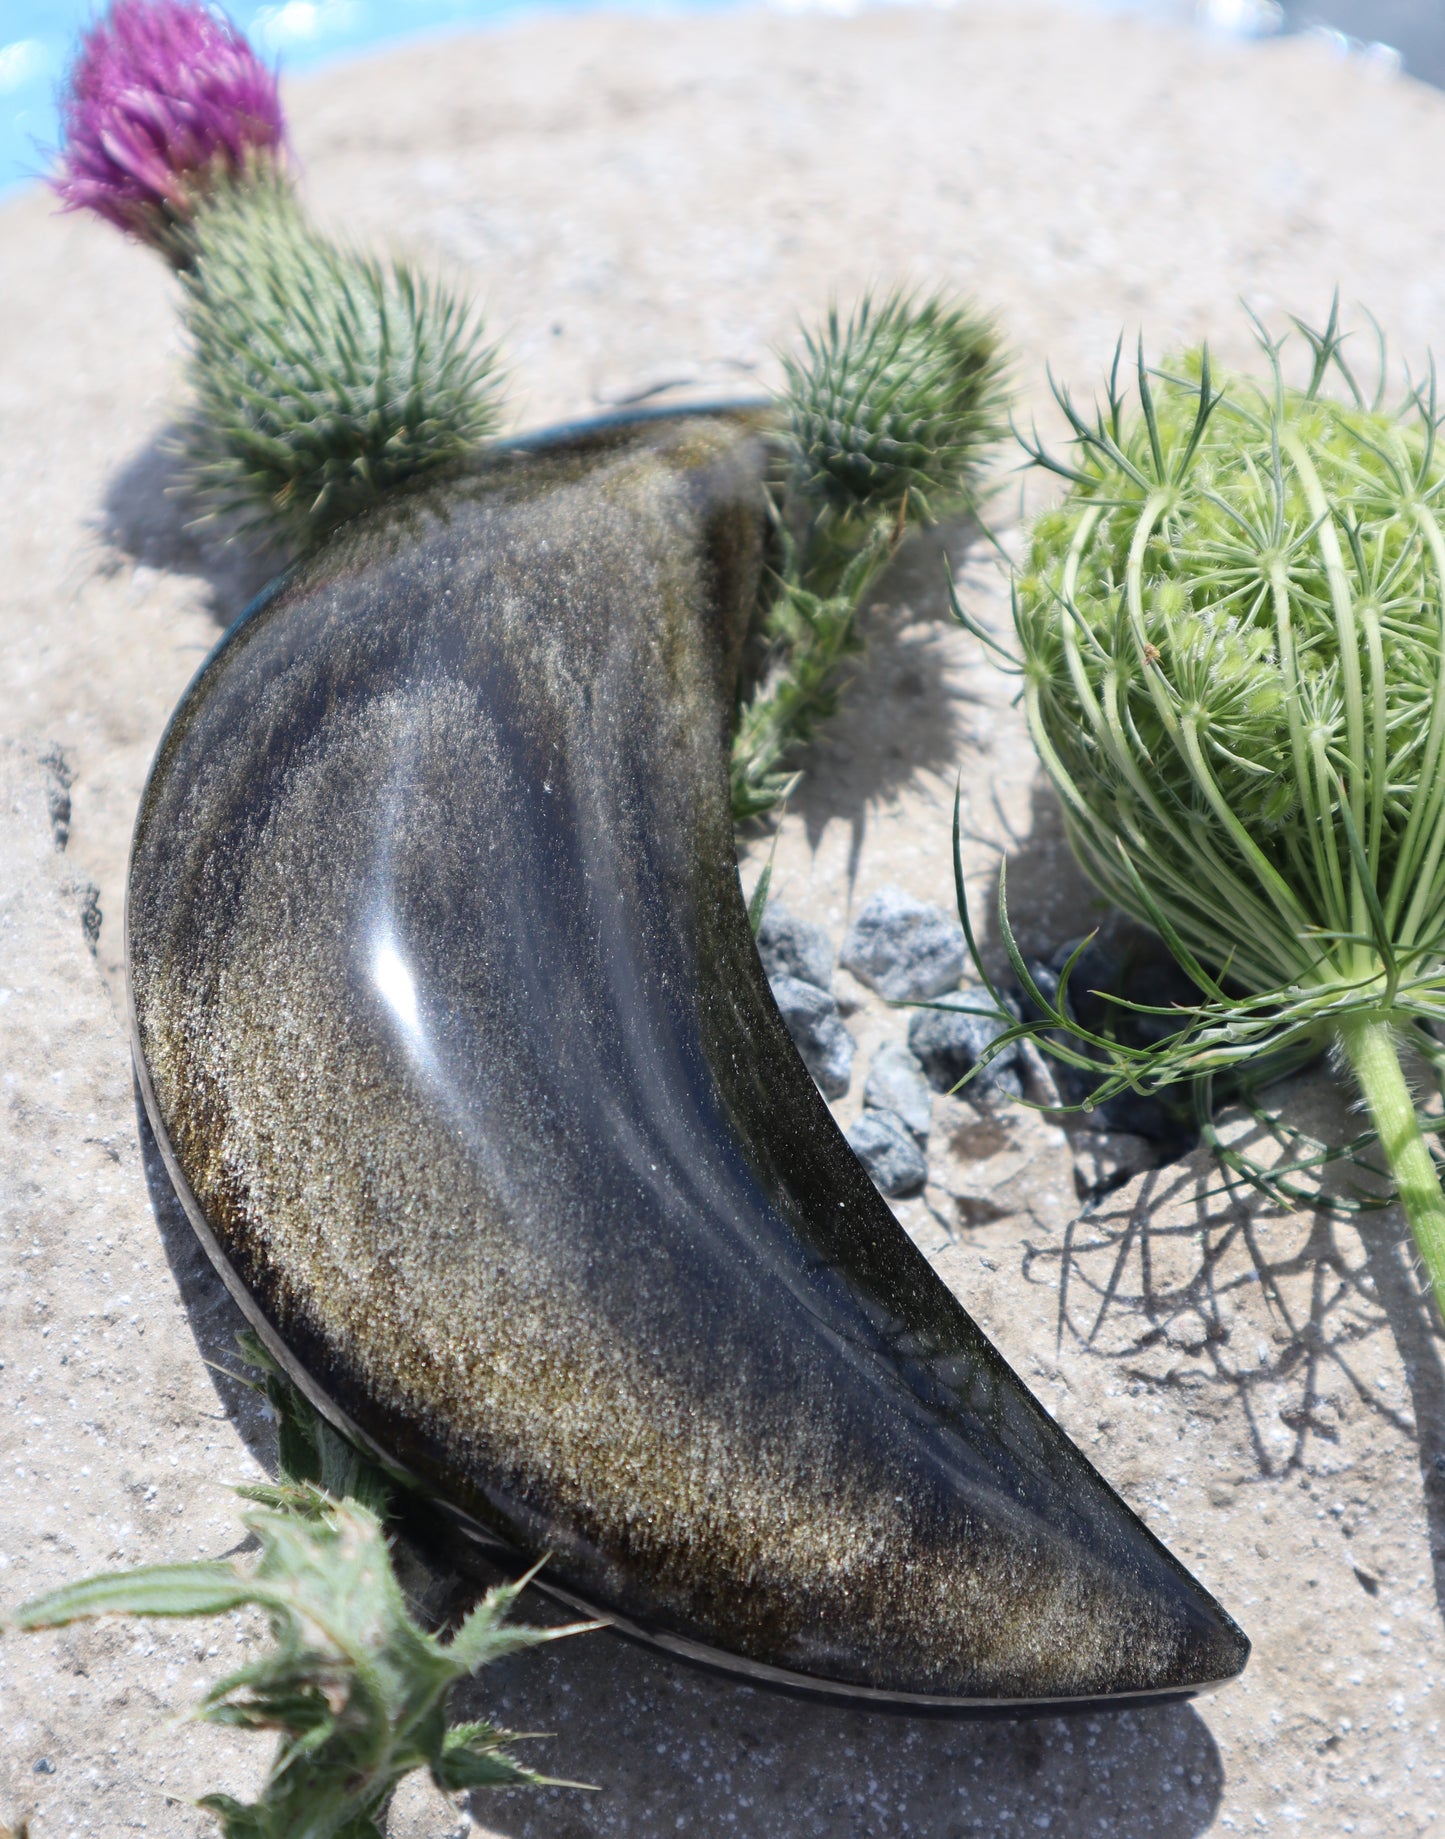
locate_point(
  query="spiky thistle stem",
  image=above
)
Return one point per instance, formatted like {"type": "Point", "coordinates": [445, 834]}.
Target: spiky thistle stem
{"type": "Point", "coordinates": [321, 378]}
{"type": "Point", "coordinates": [888, 418]}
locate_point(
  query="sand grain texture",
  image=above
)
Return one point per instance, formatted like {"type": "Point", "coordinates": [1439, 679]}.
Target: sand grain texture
{"type": "Point", "coordinates": [639, 201]}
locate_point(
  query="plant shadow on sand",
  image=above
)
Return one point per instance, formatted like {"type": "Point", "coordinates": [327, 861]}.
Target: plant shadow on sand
{"type": "Point", "coordinates": [1274, 1322]}
{"type": "Point", "coordinates": [901, 716]}
{"type": "Point", "coordinates": [674, 1749]}
{"type": "Point", "coordinates": [148, 517]}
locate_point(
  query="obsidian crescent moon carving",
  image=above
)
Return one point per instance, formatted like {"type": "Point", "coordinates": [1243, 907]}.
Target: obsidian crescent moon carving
{"type": "Point", "coordinates": [450, 1025]}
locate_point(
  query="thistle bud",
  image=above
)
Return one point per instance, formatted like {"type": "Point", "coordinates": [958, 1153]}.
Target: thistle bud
{"type": "Point", "coordinates": [165, 98]}
{"type": "Point", "coordinates": [894, 410]}
{"type": "Point", "coordinates": [321, 378]}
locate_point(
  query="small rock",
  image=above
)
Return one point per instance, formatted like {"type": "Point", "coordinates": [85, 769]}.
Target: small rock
{"type": "Point", "coordinates": [1106, 1159]}
{"type": "Point", "coordinates": [885, 1146]}
{"type": "Point", "coordinates": [792, 947]}
{"type": "Point", "coordinates": [91, 917]}
{"type": "Point", "coordinates": [811, 1017]}
{"type": "Point", "coordinates": [895, 1083]}
{"type": "Point", "coordinates": [950, 1041]}
{"type": "Point", "coordinates": [61, 776]}
{"type": "Point", "coordinates": [904, 948]}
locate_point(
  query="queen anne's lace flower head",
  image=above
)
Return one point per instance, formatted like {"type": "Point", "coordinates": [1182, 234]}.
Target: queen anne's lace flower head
{"type": "Point", "coordinates": [164, 99]}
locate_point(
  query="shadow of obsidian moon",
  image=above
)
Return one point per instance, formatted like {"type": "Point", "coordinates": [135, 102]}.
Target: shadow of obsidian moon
{"type": "Point", "coordinates": [452, 1032]}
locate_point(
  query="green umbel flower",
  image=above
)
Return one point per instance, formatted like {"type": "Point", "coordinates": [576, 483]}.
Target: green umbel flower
{"type": "Point", "coordinates": [894, 409]}
{"type": "Point", "coordinates": [320, 377]}
{"type": "Point", "coordinates": [1233, 654]}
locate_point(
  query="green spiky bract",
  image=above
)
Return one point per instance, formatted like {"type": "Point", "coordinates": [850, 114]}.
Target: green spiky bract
{"type": "Point", "coordinates": [887, 418]}
{"type": "Point", "coordinates": [355, 1689]}
{"type": "Point", "coordinates": [1233, 656]}
{"type": "Point", "coordinates": [893, 407]}
{"type": "Point", "coordinates": [321, 378]}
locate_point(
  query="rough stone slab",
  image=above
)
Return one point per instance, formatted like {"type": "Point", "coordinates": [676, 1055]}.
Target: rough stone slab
{"type": "Point", "coordinates": [115, 1440]}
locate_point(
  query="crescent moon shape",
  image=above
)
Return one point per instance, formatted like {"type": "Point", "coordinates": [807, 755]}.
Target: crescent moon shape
{"type": "Point", "coordinates": [451, 1027]}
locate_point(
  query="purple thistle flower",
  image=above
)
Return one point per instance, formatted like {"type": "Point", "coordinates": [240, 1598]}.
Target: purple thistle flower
{"type": "Point", "coordinates": [164, 97]}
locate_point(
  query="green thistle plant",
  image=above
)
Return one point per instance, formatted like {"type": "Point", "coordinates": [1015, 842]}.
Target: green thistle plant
{"type": "Point", "coordinates": [887, 421]}
{"type": "Point", "coordinates": [895, 409]}
{"type": "Point", "coordinates": [1232, 638]}
{"type": "Point", "coordinates": [356, 1691]}
{"type": "Point", "coordinates": [320, 378]}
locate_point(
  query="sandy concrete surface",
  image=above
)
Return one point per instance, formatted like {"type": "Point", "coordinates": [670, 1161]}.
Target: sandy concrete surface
{"type": "Point", "coordinates": [641, 201]}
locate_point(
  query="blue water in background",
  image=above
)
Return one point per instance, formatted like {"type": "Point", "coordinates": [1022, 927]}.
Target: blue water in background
{"type": "Point", "coordinates": [37, 38]}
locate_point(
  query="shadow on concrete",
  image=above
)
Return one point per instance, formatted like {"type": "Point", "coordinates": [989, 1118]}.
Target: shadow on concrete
{"type": "Point", "coordinates": [673, 1750]}
{"type": "Point", "coordinates": [148, 517]}
{"type": "Point", "coordinates": [1390, 1261]}
{"type": "Point", "coordinates": [1160, 1280]}
{"type": "Point", "coordinates": [899, 718]}
{"type": "Point", "coordinates": [214, 1318]}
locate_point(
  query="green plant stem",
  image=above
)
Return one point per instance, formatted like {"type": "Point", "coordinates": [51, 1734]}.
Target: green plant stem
{"type": "Point", "coordinates": [1369, 1046]}
{"type": "Point", "coordinates": [812, 626]}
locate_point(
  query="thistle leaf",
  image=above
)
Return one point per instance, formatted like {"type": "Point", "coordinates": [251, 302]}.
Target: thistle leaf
{"type": "Point", "coordinates": [355, 1690]}
{"type": "Point", "coordinates": [150, 1590]}
{"type": "Point", "coordinates": [314, 1459]}
{"type": "Point", "coordinates": [474, 1756]}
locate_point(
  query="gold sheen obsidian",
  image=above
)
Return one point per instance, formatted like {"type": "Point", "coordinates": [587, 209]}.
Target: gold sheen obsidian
{"type": "Point", "coordinates": [452, 1029]}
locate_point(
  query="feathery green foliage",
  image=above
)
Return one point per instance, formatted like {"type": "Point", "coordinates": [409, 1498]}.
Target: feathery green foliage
{"type": "Point", "coordinates": [355, 1689]}
{"type": "Point", "coordinates": [1232, 638]}
{"type": "Point", "coordinates": [320, 377]}
{"type": "Point", "coordinates": [887, 421]}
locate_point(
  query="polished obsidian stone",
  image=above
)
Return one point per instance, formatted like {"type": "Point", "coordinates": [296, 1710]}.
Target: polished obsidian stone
{"type": "Point", "coordinates": [451, 1025]}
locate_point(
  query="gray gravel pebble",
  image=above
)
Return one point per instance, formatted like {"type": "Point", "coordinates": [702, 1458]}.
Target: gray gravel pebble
{"type": "Point", "coordinates": [888, 1150]}
{"type": "Point", "coordinates": [812, 1020]}
{"type": "Point", "coordinates": [904, 948]}
{"type": "Point", "coordinates": [950, 1041]}
{"type": "Point", "coordinates": [793, 947]}
{"type": "Point", "coordinates": [895, 1083]}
